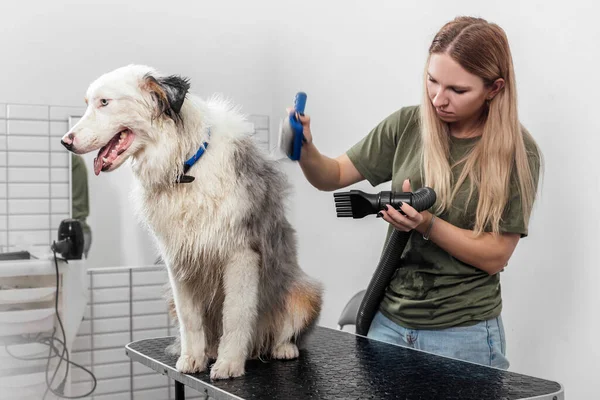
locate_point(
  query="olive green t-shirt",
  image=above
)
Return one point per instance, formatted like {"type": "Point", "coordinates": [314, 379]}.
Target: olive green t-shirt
{"type": "Point", "coordinates": [432, 289]}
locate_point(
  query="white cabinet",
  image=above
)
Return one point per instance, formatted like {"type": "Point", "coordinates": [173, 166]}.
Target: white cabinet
{"type": "Point", "coordinates": [28, 318]}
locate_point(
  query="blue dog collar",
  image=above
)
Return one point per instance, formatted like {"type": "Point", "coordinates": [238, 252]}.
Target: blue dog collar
{"type": "Point", "coordinates": [191, 161]}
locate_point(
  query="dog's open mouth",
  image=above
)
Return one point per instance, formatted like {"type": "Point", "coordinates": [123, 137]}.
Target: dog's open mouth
{"type": "Point", "coordinates": [112, 150]}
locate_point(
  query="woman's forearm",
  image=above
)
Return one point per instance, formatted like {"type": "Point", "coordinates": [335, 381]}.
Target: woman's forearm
{"type": "Point", "coordinates": [321, 171]}
{"type": "Point", "coordinates": [487, 252]}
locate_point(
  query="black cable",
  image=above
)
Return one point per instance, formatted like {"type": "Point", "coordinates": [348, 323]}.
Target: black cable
{"type": "Point", "coordinates": [49, 341]}
{"type": "Point", "coordinates": [62, 384]}
{"type": "Point", "coordinates": [36, 340]}
{"type": "Point", "coordinates": [51, 347]}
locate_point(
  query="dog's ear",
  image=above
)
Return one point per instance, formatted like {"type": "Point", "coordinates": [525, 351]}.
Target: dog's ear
{"type": "Point", "coordinates": [176, 89]}
{"type": "Point", "coordinates": [168, 92]}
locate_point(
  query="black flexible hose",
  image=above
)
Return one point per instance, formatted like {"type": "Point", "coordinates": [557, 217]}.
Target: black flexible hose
{"type": "Point", "coordinates": [422, 199]}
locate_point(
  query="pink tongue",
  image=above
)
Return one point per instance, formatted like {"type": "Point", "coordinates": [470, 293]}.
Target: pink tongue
{"type": "Point", "coordinates": [103, 153]}
{"type": "Point", "coordinates": [97, 165]}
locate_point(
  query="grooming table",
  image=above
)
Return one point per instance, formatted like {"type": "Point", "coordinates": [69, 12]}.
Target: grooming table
{"type": "Point", "coordinates": [342, 365]}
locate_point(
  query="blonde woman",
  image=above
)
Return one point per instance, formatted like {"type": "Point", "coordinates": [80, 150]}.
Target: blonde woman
{"type": "Point", "coordinates": [465, 141]}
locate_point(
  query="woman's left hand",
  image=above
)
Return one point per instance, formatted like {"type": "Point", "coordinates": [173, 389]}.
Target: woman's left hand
{"type": "Point", "coordinates": [406, 218]}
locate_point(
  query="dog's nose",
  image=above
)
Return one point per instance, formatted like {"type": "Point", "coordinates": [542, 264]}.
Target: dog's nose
{"type": "Point", "coordinates": [67, 141]}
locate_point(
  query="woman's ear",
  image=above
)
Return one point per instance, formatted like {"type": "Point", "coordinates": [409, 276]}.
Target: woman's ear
{"type": "Point", "coordinates": [495, 88]}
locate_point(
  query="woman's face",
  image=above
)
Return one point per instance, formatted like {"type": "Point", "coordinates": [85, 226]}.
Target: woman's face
{"type": "Point", "coordinates": [456, 94]}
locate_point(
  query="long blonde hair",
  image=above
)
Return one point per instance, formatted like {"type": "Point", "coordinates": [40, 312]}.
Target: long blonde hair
{"type": "Point", "coordinates": [482, 49]}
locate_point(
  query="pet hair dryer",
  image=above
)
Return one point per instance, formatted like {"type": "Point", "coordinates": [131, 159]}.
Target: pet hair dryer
{"type": "Point", "coordinates": [358, 204]}
{"type": "Point", "coordinates": [290, 130]}
{"type": "Point", "coordinates": [71, 241]}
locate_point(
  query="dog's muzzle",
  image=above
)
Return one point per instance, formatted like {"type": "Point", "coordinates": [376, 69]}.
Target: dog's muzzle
{"type": "Point", "coordinates": [67, 141]}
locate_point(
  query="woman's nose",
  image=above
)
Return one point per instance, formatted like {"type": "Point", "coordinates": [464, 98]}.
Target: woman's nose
{"type": "Point", "coordinates": [439, 100]}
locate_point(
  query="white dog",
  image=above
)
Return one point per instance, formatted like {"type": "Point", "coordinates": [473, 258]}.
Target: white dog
{"type": "Point", "coordinates": [214, 204]}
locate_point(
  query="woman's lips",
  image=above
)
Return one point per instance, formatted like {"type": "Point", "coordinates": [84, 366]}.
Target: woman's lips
{"type": "Point", "coordinates": [442, 112]}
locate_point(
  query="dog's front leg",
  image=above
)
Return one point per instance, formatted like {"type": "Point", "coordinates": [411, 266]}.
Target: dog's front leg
{"type": "Point", "coordinates": [240, 282]}
{"type": "Point", "coordinates": [191, 331]}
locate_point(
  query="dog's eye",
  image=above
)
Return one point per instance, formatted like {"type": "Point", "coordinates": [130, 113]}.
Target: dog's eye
{"type": "Point", "coordinates": [103, 102]}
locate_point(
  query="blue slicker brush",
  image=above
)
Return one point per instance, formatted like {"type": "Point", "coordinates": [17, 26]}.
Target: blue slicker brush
{"type": "Point", "coordinates": [290, 130]}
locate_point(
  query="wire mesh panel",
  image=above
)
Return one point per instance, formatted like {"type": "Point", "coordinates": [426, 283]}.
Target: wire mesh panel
{"type": "Point", "coordinates": [259, 126]}
{"type": "Point", "coordinates": [34, 174]}
{"type": "Point", "coordinates": [126, 304]}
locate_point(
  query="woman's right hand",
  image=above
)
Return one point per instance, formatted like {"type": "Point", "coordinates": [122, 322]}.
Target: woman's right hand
{"type": "Point", "coordinates": [305, 121]}
{"type": "Point", "coordinates": [323, 172]}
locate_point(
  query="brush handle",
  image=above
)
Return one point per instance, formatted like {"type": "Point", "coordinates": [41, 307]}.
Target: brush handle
{"type": "Point", "coordinates": [300, 102]}
{"type": "Point", "coordinates": [296, 126]}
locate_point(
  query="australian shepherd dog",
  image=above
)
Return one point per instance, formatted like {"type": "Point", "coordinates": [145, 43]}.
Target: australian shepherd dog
{"type": "Point", "coordinates": [215, 205]}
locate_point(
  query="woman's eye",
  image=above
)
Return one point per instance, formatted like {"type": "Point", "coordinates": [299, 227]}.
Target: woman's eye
{"type": "Point", "coordinates": [459, 91]}
{"type": "Point", "coordinates": [103, 102]}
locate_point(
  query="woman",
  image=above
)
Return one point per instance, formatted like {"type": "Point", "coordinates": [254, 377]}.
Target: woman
{"type": "Point", "coordinates": [464, 141]}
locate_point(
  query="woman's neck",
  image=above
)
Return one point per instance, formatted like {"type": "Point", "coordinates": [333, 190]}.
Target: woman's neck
{"type": "Point", "coordinates": [467, 128]}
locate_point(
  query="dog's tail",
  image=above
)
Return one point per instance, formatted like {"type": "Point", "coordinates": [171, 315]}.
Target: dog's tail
{"type": "Point", "coordinates": [310, 293]}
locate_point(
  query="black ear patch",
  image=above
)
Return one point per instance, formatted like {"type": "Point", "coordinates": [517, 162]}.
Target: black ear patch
{"type": "Point", "coordinates": [176, 88]}
{"type": "Point", "coordinates": [169, 93]}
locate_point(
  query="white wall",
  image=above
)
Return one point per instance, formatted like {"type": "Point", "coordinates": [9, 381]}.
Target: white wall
{"type": "Point", "coordinates": [358, 62]}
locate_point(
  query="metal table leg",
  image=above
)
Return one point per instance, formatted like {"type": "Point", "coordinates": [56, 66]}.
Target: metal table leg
{"type": "Point", "coordinates": [179, 391]}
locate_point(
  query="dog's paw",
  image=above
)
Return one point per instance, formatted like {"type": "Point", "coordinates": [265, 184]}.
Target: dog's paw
{"type": "Point", "coordinates": [224, 369]}
{"type": "Point", "coordinates": [189, 364]}
{"type": "Point", "coordinates": [286, 351]}
{"type": "Point", "coordinates": [174, 349]}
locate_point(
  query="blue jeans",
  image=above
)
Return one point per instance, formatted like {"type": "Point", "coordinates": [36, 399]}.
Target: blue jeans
{"type": "Point", "coordinates": [483, 343]}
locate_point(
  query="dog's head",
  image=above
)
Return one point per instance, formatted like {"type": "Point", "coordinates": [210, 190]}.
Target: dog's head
{"type": "Point", "coordinates": [122, 107]}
